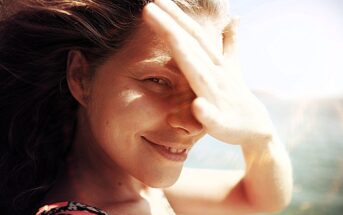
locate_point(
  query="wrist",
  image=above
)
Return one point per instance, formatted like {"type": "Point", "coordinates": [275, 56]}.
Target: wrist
{"type": "Point", "coordinates": [263, 148]}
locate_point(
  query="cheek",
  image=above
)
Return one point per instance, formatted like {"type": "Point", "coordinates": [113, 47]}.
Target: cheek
{"type": "Point", "coordinates": [126, 113]}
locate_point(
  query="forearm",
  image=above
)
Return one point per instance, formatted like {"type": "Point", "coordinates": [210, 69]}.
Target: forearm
{"type": "Point", "coordinates": [268, 180]}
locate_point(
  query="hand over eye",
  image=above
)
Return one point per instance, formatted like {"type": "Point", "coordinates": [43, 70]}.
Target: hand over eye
{"type": "Point", "coordinates": [224, 104]}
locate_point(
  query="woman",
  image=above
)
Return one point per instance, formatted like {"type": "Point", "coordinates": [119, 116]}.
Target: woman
{"type": "Point", "coordinates": [101, 101]}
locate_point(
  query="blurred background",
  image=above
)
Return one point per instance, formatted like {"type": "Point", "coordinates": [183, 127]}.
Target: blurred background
{"type": "Point", "coordinates": [292, 58]}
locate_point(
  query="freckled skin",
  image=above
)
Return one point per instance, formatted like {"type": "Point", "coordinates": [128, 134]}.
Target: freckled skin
{"type": "Point", "coordinates": [140, 93]}
{"type": "Point", "coordinates": [124, 106]}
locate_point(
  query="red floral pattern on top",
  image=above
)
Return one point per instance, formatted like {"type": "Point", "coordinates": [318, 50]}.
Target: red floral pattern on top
{"type": "Point", "coordinates": [69, 208]}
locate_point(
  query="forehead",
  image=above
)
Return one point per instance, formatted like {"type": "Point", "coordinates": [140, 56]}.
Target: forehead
{"type": "Point", "coordinates": [145, 45]}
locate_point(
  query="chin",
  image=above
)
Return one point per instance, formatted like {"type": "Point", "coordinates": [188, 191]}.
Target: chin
{"type": "Point", "coordinates": [162, 179]}
{"type": "Point", "coordinates": [162, 184]}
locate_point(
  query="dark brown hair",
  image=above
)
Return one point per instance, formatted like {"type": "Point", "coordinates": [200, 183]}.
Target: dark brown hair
{"type": "Point", "coordinates": [37, 111]}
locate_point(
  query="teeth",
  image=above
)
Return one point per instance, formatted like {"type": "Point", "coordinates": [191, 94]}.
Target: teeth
{"type": "Point", "coordinates": [172, 150]}
{"type": "Point", "coordinates": [180, 150]}
{"type": "Point", "coordinates": [176, 151]}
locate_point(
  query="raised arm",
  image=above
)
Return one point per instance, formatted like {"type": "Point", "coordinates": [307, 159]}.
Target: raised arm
{"type": "Point", "coordinates": [229, 112]}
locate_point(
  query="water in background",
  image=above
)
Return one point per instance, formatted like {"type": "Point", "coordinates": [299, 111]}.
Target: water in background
{"type": "Point", "coordinates": [312, 131]}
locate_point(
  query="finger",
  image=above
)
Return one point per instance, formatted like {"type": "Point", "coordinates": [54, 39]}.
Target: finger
{"type": "Point", "coordinates": [192, 27]}
{"type": "Point", "coordinates": [230, 50]}
{"type": "Point", "coordinates": [229, 37]}
{"type": "Point", "coordinates": [186, 52]}
{"type": "Point", "coordinates": [205, 112]}
{"type": "Point", "coordinates": [163, 24]}
{"type": "Point", "coordinates": [170, 30]}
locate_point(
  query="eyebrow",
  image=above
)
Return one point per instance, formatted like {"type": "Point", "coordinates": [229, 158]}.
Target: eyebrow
{"type": "Point", "coordinates": [166, 62]}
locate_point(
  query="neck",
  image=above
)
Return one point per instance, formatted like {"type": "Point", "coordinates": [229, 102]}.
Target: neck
{"type": "Point", "coordinates": [93, 181]}
{"type": "Point", "coordinates": [108, 181]}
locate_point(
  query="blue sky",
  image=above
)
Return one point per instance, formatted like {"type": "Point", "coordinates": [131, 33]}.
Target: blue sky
{"type": "Point", "coordinates": [291, 48]}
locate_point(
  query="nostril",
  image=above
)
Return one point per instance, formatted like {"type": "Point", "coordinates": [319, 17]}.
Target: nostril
{"type": "Point", "coordinates": [185, 121]}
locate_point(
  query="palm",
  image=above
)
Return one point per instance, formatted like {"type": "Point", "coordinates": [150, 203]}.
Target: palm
{"type": "Point", "coordinates": [224, 104]}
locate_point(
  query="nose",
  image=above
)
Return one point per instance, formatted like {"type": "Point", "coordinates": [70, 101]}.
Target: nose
{"type": "Point", "coordinates": [183, 120]}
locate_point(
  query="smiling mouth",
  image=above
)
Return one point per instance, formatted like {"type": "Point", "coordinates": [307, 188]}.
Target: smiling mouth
{"type": "Point", "coordinates": [171, 153]}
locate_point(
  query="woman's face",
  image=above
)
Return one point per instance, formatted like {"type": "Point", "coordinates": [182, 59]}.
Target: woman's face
{"type": "Point", "coordinates": [139, 111]}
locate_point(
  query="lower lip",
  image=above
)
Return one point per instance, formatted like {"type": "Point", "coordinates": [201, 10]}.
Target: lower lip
{"type": "Point", "coordinates": [180, 157]}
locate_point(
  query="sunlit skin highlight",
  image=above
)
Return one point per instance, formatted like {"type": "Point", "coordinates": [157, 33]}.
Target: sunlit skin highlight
{"type": "Point", "coordinates": [130, 96]}
{"type": "Point", "coordinates": [164, 89]}
{"type": "Point", "coordinates": [123, 105]}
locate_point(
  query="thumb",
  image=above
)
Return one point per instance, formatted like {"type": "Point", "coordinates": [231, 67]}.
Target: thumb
{"type": "Point", "coordinates": [205, 112]}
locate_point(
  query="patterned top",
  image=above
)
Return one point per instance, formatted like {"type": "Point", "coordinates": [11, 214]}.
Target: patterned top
{"type": "Point", "coordinates": [75, 208]}
{"type": "Point", "coordinates": [69, 208]}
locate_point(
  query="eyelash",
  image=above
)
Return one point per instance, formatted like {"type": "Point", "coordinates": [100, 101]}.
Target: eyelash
{"type": "Point", "coordinates": [158, 81]}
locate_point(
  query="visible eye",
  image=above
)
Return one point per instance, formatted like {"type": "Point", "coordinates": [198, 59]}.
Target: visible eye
{"type": "Point", "coordinates": [159, 81]}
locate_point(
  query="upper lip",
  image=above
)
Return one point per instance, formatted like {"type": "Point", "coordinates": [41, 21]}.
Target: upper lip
{"type": "Point", "coordinates": [169, 144]}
